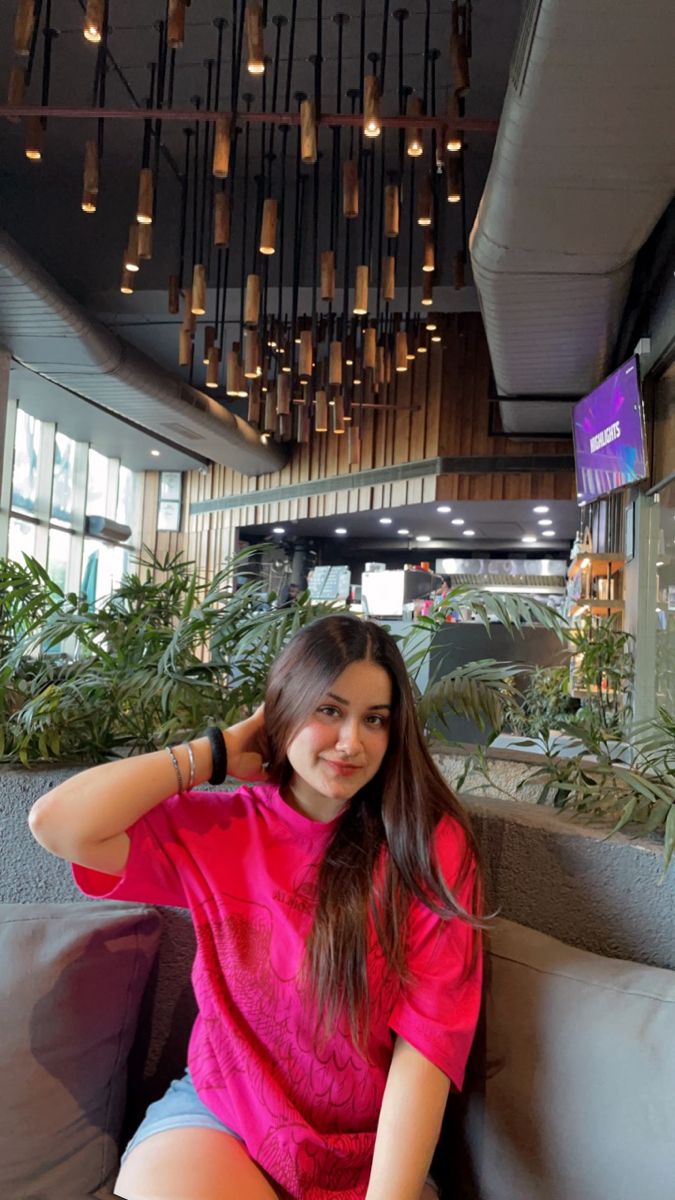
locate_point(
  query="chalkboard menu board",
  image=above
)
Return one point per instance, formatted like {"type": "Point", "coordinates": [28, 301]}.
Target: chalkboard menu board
{"type": "Point", "coordinates": [330, 583]}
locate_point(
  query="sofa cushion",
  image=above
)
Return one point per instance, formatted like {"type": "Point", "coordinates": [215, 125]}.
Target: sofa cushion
{"type": "Point", "coordinates": [72, 979]}
{"type": "Point", "coordinates": [581, 1103]}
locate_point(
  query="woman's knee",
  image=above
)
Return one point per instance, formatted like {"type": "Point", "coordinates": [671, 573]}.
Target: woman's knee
{"type": "Point", "coordinates": [203, 1164]}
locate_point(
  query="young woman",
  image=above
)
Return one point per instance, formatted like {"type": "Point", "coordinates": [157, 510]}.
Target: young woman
{"type": "Point", "coordinates": [338, 970]}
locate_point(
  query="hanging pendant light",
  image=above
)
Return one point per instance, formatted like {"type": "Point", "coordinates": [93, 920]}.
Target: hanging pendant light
{"type": "Point", "coordinates": [268, 232]}
{"type": "Point", "coordinates": [145, 197]}
{"type": "Point", "coordinates": [209, 341]}
{"type": "Point", "coordinates": [371, 107]}
{"type": "Point", "coordinates": [453, 179]}
{"type": "Point", "coordinates": [252, 301]}
{"type": "Point", "coordinates": [328, 275]}
{"type": "Point", "coordinates": [320, 412]}
{"type": "Point", "coordinates": [232, 377]}
{"type": "Point", "coordinates": [391, 210]}
{"type": "Point", "coordinates": [93, 21]}
{"type": "Point", "coordinates": [388, 278]}
{"type": "Point", "coordinates": [429, 261]}
{"type": "Point", "coordinates": [184, 348]}
{"type": "Point", "coordinates": [173, 295]}
{"type": "Point", "coordinates": [370, 348]}
{"type": "Point", "coordinates": [145, 241]}
{"type": "Point", "coordinates": [251, 354]}
{"type": "Point", "coordinates": [255, 62]}
{"type": "Point", "coordinates": [306, 356]}
{"type": "Point", "coordinates": [335, 364]}
{"type": "Point", "coordinates": [175, 29]}
{"type": "Point", "coordinates": [127, 282]}
{"type": "Point", "coordinates": [361, 291]}
{"type": "Point", "coordinates": [453, 136]}
{"type": "Point", "coordinates": [414, 143]}
{"type": "Point", "coordinates": [427, 289]}
{"type": "Point", "coordinates": [213, 366]}
{"type": "Point", "coordinates": [283, 395]}
{"type": "Point", "coordinates": [16, 89]}
{"type": "Point", "coordinates": [350, 189]}
{"type": "Point", "coordinates": [221, 219]}
{"type": "Point", "coordinates": [401, 352]}
{"type": "Point", "coordinates": [35, 139]}
{"type": "Point", "coordinates": [308, 150]}
{"type": "Point", "coordinates": [24, 24]}
{"type": "Point", "coordinates": [338, 411]}
{"type": "Point", "coordinates": [425, 201]}
{"type": "Point", "coordinates": [90, 177]}
{"type": "Point", "coordinates": [254, 401]}
{"type": "Point", "coordinates": [270, 414]}
{"type": "Point", "coordinates": [222, 144]}
{"type": "Point", "coordinates": [131, 254]}
{"type": "Point", "coordinates": [458, 270]}
{"type": "Point", "coordinates": [198, 306]}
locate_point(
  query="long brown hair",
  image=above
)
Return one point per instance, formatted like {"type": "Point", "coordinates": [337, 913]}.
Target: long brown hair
{"type": "Point", "coordinates": [391, 821]}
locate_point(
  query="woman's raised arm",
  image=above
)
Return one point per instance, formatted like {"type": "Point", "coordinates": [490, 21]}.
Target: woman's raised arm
{"type": "Point", "coordinates": [92, 809]}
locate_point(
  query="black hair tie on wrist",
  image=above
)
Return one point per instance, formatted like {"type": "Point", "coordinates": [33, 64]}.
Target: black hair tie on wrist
{"type": "Point", "coordinates": [218, 754]}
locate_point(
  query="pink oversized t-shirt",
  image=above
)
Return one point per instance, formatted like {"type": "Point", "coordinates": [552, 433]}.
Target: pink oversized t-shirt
{"type": "Point", "coordinates": [244, 863]}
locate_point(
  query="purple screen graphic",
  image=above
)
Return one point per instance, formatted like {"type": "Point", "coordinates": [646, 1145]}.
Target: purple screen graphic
{"type": "Point", "coordinates": [609, 441]}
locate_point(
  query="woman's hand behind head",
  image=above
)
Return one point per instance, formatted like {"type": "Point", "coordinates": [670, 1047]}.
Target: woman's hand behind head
{"type": "Point", "coordinates": [247, 747]}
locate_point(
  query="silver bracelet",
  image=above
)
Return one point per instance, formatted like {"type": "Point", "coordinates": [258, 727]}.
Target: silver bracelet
{"type": "Point", "coordinates": [193, 767]}
{"type": "Point", "coordinates": [176, 767]}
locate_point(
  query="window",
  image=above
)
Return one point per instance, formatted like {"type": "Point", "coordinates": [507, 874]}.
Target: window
{"type": "Point", "coordinates": [97, 485]}
{"type": "Point", "coordinates": [21, 539]}
{"type": "Point", "coordinates": [25, 474]}
{"type": "Point", "coordinates": [63, 481]}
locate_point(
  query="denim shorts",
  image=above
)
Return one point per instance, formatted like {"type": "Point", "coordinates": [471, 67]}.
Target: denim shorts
{"type": "Point", "coordinates": [180, 1108]}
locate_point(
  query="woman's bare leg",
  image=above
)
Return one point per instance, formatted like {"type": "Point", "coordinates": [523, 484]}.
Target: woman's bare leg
{"type": "Point", "coordinates": [199, 1164]}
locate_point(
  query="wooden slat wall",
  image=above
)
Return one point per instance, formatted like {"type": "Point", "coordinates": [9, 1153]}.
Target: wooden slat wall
{"type": "Point", "coordinates": [442, 410]}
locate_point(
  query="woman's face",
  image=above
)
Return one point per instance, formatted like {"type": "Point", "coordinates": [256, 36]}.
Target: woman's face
{"type": "Point", "coordinates": [340, 746]}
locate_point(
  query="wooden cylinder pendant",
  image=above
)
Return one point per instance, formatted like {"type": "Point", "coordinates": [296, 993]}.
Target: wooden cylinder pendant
{"type": "Point", "coordinates": [35, 139]}
{"type": "Point", "coordinates": [452, 135]}
{"type": "Point", "coordinates": [24, 23]}
{"type": "Point", "coordinates": [127, 282]}
{"type": "Point", "coordinates": [370, 348]}
{"type": "Point", "coordinates": [145, 197]}
{"type": "Point", "coordinates": [283, 395]}
{"type": "Point", "coordinates": [453, 178]}
{"type": "Point", "coordinates": [338, 411]}
{"type": "Point", "coordinates": [414, 143]}
{"type": "Point", "coordinates": [320, 412]}
{"type": "Point", "coordinates": [209, 340]}
{"type": "Point", "coordinates": [175, 28]}
{"type": "Point", "coordinates": [188, 319]}
{"type": "Point", "coordinates": [89, 202]}
{"type": "Point", "coordinates": [232, 378]}
{"type": "Point", "coordinates": [388, 277]}
{"type": "Point", "coordinates": [254, 395]}
{"type": "Point", "coordinates": [184, 348]}
{"type": "Point", "coordinates": [459, 61]}
{"type": "Point", "coordinates": [354, 436]}
{"type": "Point", "coordinates": [173, 295]}
{"type": "Point", "coordinates": [302, 425]}
{"type": "Point", "coordinates": [328, 275]}
{"type": "Point", "coordinates": [401, 351]}
{"type": "Point", "coordinates": [255, 60]}
{"type": "Point", "coordinates": [213, 366]}
{"type": "Point", "coordinates": [222, 143]}
{"type": "Point", "coordinates": [458, 270]}
{"type": "Point", "coordinates": [427, 288]}
{"type": "Point", "coordinates": [350, 188]}
{"type": "Point", "coordinates": [425, 201]}
{"type": "Point", "coordinates": [145, 241]}
{"type": "Point", "coordinates": [361, 291]}
{"type": "Point", "coordinates": [306, 355]}
{"type": "Point", "coordinates": [308, 131]}
{"type": "Point", "coordinates": [391, 210]}
{"type": "Point", "coordinates": [335, 364]}
{"type": "Point", "coordinates": [198, 307]}
{"type": "Point", "coordinates": [90, 175]}
{"type": "Point", "coordinates": [381, 366]}
{"type": "Point", "coordinates": [93, 21]}
{"type": "Point", "coordinates": [429, 260]}
{"type": "Point", "coordinates": [270, 414]}
{"type": "Point", "coordinates": [252, 300]}
{"type": "Point", "coordinates": [251, 354]}
{"type": "Point", "coordinates": [16, 89]}
{"type": "Point", "coordinates": [131, 255]}
{"type": "Point", "coordinates": [371, 106]}
{"type": "Point", "coordinates": [268, 232]}
{"type": "Point", "coordinates": [221, 219]}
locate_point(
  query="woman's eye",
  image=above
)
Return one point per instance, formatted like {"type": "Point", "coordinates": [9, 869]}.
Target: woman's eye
{"type": "Point", "coordinates": [376, 720]}
{"type": "Point", "coordinates": [328, 710]}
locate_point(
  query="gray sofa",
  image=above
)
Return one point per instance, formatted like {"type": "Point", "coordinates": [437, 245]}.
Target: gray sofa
{"type": "Point", "coordinates": [571, 1086]}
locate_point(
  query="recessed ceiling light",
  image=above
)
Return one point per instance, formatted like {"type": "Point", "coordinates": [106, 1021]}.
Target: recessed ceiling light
{"type": "Point", "coordinates": [422, 537]}
{"type": "Point", "coordinates": [403, 531]}
{"type": "Point", "coordinates": [385, 520]}
{"type": "Point", "coordinates": [340, 530]}
{"type": "Point", "coordinates": [541, 508]}
{"type": "Point", "coordinates": [545, 521]}
{"type": "Point", "coordinates": [457, 521]}
{"type": "Point", "coordinates": [469, 532]}
{"type": "Point", "coordinates": [278, 529]}
{"type": "Point", "coordinates": [549, 533]}
{"type": "Point", "coordinates": [528, 540]}
{"type": "Point", "coordinates": [155, 453]}
{"type": "Point", "coordinates": [444, 508]}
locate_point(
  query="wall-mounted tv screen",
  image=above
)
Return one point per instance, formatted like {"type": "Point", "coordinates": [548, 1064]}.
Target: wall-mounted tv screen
{"type": "Point", "coordinates": [609, 435]}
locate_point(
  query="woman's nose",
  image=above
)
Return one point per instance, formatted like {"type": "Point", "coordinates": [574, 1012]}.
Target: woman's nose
{"type": "Point", "coordinates": [348, 738]}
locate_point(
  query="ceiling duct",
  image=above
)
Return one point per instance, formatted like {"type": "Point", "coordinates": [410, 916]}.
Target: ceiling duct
{"type": "Point", "coordinates": [45, 330]}
{"type": "Point", "coordinates": [506, 574]}
{"type": "Point", "coordinates": [582, 170]}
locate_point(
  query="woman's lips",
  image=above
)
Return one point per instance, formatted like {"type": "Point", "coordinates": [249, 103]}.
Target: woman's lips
{"type": "Point", "coordinates": [341, 768]}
